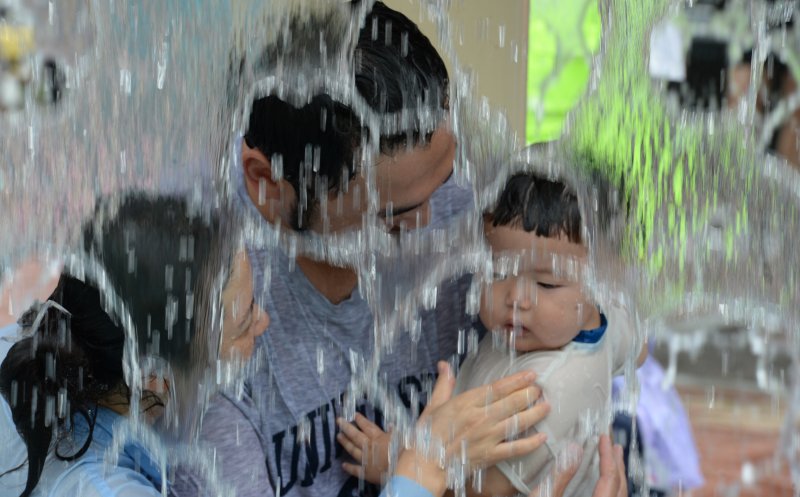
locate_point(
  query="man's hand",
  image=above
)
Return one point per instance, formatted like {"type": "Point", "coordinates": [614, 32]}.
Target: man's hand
{"type": "Point", "coordinates": [612, 481]}
{"type": "Point", "coordinates": [367, 444]}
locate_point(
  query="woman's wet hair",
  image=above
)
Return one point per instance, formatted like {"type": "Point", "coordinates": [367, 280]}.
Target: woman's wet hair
{"type": "Point", "coordinates": [161, 262]}
{"type": "Point", "coordinates": [70, 361]}
{"type": "Point", "coordinates": [160, 259]}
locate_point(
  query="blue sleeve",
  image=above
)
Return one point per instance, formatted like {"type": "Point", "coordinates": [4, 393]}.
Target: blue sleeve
{"type": "Point", "coordinates": [400, 486]}
{"type": "Point", "coordinates": [14, 453]}
{"type": "Point", "coordinates": [95, 479]}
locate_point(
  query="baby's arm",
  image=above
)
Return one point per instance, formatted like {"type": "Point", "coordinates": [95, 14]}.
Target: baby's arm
{"type": "Point", "coordinates": [499, 482]}
{"type": "Point", "coordinates": [612, 482]}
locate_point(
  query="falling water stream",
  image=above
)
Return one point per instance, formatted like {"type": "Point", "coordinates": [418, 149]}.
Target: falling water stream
{"type": "Point", "coordinates": [101, 97]}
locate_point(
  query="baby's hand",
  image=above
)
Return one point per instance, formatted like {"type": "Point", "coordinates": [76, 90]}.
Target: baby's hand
{"type": "Point", "coordinates": [367, 444]}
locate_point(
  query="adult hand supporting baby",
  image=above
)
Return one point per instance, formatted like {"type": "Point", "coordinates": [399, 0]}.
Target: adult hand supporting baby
{"type": "Point", "coordinates": [474, 427]}
{"type": "Point", "coordinates": [612, 482]}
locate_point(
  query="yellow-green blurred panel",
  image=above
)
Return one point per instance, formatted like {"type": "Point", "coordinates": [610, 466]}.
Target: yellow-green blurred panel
{"type": "Point", "coordinates": [563, 35]}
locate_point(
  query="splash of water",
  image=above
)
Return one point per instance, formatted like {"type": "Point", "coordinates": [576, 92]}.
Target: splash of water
{"type": "Point", "coordinates": [705, 210]}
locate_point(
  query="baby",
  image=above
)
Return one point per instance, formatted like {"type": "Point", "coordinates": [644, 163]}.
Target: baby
{"type": "Point", "coordinates": [548, 324]}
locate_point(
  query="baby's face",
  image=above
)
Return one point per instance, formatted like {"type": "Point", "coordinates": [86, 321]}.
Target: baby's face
{"type": "Point", "coordinates": [543, 305]}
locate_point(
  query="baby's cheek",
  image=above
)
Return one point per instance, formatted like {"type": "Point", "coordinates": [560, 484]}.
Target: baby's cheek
{"type": "Point", "coordinates": [487, 298]}
{"type": "Point", "coordinates": [487, 311]}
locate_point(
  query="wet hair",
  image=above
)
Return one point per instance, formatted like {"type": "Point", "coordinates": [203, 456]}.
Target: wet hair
{"type": "Point", "coordinates": [68, 364]}
{"type": "Point", "coordinates": [539, 205]}
{"type": "Point", "coordinates": [396, 69]}
{"type": "Point", "coordinates": [156, 257]}
{"type": "Point", "coordinates": [315, 143]}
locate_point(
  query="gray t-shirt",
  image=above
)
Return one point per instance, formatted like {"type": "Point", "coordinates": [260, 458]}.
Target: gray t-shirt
{"type": "Point", "coordinates": [280, 439]}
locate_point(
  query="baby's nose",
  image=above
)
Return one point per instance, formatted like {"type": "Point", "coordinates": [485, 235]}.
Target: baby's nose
{"type": "Point", "coordinates": [520, 294]}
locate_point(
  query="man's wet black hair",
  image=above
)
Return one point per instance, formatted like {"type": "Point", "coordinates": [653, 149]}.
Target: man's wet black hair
{"type": "Point", "coordinates": [547, 208]}
{"type": "Point", "coordinates": [396, 69]}
{"type": "Point", "coordinates": [314, 143]}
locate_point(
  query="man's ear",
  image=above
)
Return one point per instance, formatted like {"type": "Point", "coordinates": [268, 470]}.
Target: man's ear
{"type": "Point", "coordinates": [257, 172]}
{"type": "Point", "coordinates": [266, 193]}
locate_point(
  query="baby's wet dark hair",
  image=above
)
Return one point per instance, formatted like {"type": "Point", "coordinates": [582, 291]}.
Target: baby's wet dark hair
{"type": "Point", "coordinates": [539, 205]}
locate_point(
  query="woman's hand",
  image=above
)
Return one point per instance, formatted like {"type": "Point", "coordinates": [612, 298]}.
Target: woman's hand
{"type": "Point", "coordinates": [476, 427]}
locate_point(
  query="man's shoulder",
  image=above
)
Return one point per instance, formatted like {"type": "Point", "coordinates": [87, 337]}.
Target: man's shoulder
{"type": "Point", "coordinates": [451, 201]}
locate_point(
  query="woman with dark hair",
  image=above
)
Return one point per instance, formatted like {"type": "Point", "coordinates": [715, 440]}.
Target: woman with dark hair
{"type": "Point", "coordinates": [162, 299]}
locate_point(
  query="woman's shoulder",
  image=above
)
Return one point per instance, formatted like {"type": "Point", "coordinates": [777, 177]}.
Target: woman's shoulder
{"type": "Point", "coordinates": [226, 413]}
{"type": "Point", "coordinates": [91, 476]}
